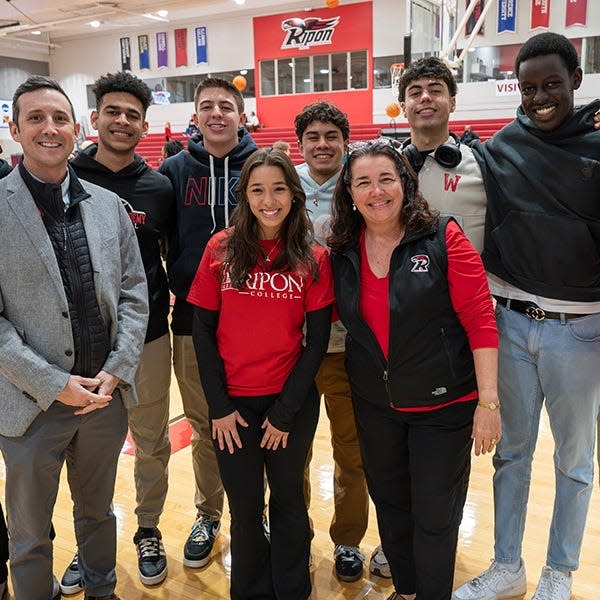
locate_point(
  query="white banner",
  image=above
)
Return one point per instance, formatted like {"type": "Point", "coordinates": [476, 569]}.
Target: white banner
{"type": "Point", "coordinates": [507, 87]}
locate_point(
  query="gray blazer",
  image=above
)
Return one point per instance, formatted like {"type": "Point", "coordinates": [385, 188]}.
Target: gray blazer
{"type": "Point", "coordinates": [35, 328]}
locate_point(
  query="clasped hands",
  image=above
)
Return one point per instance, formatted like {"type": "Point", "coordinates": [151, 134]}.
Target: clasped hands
{"type": "Point", "coordinates": [88, 393]}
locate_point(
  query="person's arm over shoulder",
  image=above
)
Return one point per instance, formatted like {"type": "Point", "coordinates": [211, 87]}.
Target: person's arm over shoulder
{"type": "Point", "coordinates": [469, 290]}
{"type": "Point", "coordinates": [132, 309]}
{"type": "Point", "coordinates": [318, 306]}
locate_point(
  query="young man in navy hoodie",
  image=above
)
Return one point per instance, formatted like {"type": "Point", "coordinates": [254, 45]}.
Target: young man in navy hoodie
{"type": "Point", "coordinates": [120, 120]}
{"type": "Point", "coordinates": [204, 180]}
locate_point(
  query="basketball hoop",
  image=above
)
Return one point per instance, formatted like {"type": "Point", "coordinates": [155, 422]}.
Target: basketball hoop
{"type": "Point", "coordinates": [396, 71]}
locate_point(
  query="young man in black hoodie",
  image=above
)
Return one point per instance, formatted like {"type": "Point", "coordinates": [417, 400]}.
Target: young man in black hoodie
{"type": "Point", "coordinates": [204, 180]}
{"type": "Point", "coordinates": [120, 120]}
{"type": "Point", "coordinates": [541, 248]}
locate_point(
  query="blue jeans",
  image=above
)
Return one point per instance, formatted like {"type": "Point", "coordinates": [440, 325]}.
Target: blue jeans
{"type": "Point", "coordinates": [557, 361]}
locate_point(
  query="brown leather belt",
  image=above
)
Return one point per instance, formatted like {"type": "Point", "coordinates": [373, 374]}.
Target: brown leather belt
{"type": "Point", "coordinates": [533, 311]}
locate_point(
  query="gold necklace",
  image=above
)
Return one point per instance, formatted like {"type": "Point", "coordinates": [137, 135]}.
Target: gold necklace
{"type": "Point", "coordinates": [268, 256]}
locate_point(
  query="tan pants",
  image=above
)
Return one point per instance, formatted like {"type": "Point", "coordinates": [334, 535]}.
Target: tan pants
{"type": "Point", "coordinates": [209, 489]}
{"type": "Point", "coordinates": [149, 426]}
{"type": "Point", "coordinates": [350, 496]}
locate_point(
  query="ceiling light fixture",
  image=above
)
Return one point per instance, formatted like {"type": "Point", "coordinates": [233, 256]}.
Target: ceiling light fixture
{"type": "Point", "coordinates": [36, 32]}
{"type": "Point", "coordinates": [240, 2]}
{"type": "Point", "coordinates": [156, 17]}
{"type": "Point", "coordinates": [94, 24]}
{"type": "Point", "coordinates": [162, 13]}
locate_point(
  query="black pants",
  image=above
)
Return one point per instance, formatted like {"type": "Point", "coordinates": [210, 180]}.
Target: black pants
{"type": "Point", "coordinates": [261, 570]}
{"type": "Point", "coordinates": [417, 467]}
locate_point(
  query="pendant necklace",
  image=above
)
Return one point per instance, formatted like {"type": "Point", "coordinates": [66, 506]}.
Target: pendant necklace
{"type": "Point", "coordinates": [268, 255]}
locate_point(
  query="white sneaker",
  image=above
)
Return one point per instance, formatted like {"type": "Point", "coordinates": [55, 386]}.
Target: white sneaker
{"type": "Point", "coordinates": [379, 565]}
{"type": "Point", "coordinates": [496, 583]}
{"type": "Point", "coordinates": [553, 585]}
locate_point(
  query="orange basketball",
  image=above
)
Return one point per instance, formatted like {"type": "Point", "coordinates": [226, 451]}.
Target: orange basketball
{"type": "Point", "coordinates": [333, 3]}
{"type": "Point", "coordinates": [240, 82]}
{"type": "Point", "coordinates": [392, 110]}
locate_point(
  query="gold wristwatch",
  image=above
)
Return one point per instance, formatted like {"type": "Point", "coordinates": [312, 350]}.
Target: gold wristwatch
{"type": "Point", "coordinates": [489, 405]}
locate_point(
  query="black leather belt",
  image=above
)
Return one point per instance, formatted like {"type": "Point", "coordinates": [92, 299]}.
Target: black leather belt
{"type": "Point", "coordinates": [533, 311]}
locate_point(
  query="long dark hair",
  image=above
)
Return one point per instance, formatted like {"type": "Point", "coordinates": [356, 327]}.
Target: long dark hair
{"type": "Point", "coordinates": [347, 223]}
{"type": "Point", "coordinates": [242, 250]}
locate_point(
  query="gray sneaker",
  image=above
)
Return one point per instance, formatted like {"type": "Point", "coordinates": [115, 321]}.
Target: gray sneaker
{"type": "Point", "coordinates": [197, 549]}
{"type": "Point", "coordinates": [553, 585]}
{"type": "Point", "coordinates": [379, 565]}
{"type": "Point", "coordinates": [496, 583]}
{"type": "Point", "coordinates": [71, 579]}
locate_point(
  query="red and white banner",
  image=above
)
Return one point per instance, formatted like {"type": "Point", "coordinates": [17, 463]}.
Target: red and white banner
{"type": "Point", "coordinates": [576, 13]}
{"type": "Point", "coordinates": [181, 59]}
{"type": "Point", "coordinates": [540, 14]}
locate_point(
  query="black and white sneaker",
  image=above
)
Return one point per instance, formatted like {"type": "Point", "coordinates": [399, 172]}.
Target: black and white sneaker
{"type": "Point", "coordinates": [152, 560]}
{"type": "Point", "coordinates": [349, 562]}
{"type": "Point", "coordinates": [199, 545]}
{"type": "Point", "coordinates": [71, 580]}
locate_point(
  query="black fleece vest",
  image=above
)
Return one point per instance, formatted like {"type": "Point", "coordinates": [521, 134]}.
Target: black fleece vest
{"type": "Point", "coordinates": [69, 241]}
{"type": "Point", "coordinates": [429, 359]}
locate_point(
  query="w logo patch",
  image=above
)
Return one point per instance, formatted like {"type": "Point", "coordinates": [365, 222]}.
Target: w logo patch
{"type": "Point", "coordinates": [451, 183]}
{"type": "Point", "coordinates": [421, 263]}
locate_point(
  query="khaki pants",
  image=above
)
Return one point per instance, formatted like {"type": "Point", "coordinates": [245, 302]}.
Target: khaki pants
{"type": "Point", "coordinates": [209, 489]}
{"type": "Point", "coordinates": [149, 426]}
{"type": "Point", "coordinates": [350, 496]}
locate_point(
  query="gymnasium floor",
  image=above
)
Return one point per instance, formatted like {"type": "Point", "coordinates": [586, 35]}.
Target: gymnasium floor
{"type": "Point", "coordinates": [211, 582]}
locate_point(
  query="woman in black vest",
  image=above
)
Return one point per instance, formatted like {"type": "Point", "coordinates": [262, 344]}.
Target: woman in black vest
{"type": "Point", "coordinates": [422, 350]}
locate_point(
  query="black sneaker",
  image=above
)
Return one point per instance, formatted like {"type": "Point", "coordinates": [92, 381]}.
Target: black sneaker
{"type": "Point", "coordinates": [152, 560]}
{"type": "Point", "coordinates": [348, 562]}
{"type": "Point", "coordinates": [71, 580]}
{"type": "Point", "coordinates": [197, 549]}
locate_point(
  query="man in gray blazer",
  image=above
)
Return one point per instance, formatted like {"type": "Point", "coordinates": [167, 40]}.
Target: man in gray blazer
{"type": "Point", "coordinates": [73, 316]}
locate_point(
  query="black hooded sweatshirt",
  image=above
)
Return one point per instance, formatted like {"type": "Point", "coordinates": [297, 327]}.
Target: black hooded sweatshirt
{"type": "Point", "coordinates": [542, 228]}
{"type": "Point", "coordinates": [149, 201]}
{"type": "Point", "coordinates": [205, 191]}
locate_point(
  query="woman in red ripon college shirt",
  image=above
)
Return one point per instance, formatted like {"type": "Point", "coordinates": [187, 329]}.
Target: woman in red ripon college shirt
{"type": "Point", "coordinates": [257, 285]}
{"type": "Point", "coordinates": [421, 355]}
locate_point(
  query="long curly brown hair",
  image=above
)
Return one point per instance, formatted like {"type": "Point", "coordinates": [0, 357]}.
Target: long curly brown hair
{"type": "Point", "coordinates": [346, 224]}
{"type": "Point", "coordinates": [242, 250]}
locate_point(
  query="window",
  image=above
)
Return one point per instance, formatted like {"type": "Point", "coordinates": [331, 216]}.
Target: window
{"type": "Point", "coordinates": [382, 70]}
{"type": "Point", "coordinates": [302, 75]}
{"type": "Point", "coordinates": [358, 70]}
{"type": "Point", "coordinates": [319, 73]}
{"type": "Point", "coordinates": [339, 71]}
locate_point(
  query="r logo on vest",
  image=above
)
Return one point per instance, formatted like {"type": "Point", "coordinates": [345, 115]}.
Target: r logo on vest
{"type": "Point", "coordinates": [421, 263]}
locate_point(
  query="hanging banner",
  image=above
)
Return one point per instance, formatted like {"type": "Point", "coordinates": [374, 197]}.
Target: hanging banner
{"type": "Point", "coordinates": [201, 45]}
{"type": "Point", "coordinates": [576, 13]}
{"type": "Point", "coordinates": [507, 16]}
{"type": "Point", "coordinates": [181, 48]}
{"type": "Point", "coordinates": [474, 18]}
{"type": "Point", "coordinates": [125, 54]}
{"type": "Point", "coordinates": [540, 14]}
{"type": "Point", "coordinates": [144, 51]}
{"type": "Point", "coordinates": [161, 50]}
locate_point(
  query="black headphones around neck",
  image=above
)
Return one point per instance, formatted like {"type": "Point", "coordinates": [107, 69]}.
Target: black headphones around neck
{"type": "Point", "coordinates": [447, 155]}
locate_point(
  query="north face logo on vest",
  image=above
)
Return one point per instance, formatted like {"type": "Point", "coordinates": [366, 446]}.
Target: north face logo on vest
{"type": "Point", "coordinates": [303, 33]}
{"type": "Point", "coordinates": [421, 263]}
